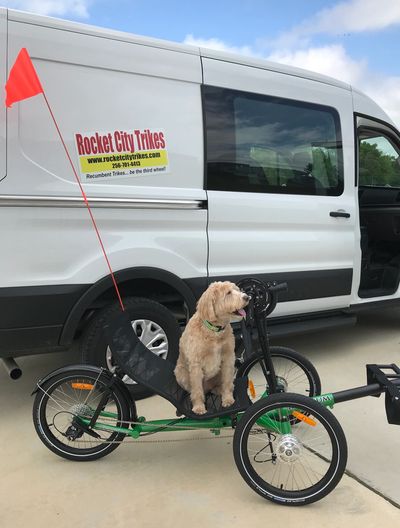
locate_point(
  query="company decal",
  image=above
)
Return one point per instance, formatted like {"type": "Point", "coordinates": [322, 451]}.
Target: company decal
{"type": "Point", "coordinates": [121, 153]}
{"type": "Point", "coordinates": [325, 399]}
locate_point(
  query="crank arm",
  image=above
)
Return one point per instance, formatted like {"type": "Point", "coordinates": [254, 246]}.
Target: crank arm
{"type": "Point", "coordinates": [80, 425]}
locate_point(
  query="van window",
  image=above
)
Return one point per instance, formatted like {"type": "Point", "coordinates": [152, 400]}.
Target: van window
{"type": "Point", "coordinates": [265, 144]}
{"type": "Point", "coordinates": [378, 160]}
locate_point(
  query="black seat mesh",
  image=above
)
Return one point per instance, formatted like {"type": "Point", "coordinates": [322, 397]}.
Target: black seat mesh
{"type": "Point", "coordinates": [157, 374]}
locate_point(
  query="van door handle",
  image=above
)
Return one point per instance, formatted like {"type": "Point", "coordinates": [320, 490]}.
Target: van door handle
{"type": "Point", "coordinates": [339, 214]}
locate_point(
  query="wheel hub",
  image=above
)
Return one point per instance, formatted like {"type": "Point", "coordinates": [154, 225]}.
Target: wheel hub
{"type": "Point", "coordinates": [281, 382]}
{"type": "Point", "coordinates": [289, 449]}
{"type": "Point", "coordinates": [81, 409]}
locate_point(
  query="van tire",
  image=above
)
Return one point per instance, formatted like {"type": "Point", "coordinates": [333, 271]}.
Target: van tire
{"type": "Point", "coordinates": [94, 347]}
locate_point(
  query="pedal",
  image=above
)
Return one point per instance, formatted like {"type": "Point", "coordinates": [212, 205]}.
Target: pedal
{"type": "Point", "coordinates": [392, 406]}
{"type": "Point", "coordinates": [376, 374]}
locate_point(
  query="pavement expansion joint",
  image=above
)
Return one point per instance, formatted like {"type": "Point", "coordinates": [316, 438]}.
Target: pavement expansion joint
{"type": "Point", "coordinates": [371, 488]}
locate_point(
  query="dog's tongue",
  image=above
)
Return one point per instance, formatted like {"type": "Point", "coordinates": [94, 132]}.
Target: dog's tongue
{"type": "Point", "coordinates": [242, 312]}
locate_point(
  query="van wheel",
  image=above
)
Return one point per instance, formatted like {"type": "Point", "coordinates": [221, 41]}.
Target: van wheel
{"type": "Point", "coordinates": [153, 323]}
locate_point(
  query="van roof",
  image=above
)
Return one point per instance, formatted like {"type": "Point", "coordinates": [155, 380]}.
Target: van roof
{"type": "Point", "coordinates": [76, 27]}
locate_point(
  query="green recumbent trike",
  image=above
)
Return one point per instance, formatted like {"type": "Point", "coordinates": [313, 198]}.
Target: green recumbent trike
{"type": "Point", "coordinates": [287, 445]}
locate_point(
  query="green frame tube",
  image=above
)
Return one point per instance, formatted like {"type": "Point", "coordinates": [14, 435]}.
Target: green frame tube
{"type": "Point", "coordinates": [213, 424]}
{"type": "Point", "coordinates": [154, 426]}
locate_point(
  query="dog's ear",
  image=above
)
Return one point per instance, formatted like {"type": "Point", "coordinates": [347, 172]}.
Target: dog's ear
{"type": "Point", "coordinates": [206, 303]}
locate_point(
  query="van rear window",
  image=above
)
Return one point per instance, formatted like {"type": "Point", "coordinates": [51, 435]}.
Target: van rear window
{"type": "Point", "coordinates": [264, 144]}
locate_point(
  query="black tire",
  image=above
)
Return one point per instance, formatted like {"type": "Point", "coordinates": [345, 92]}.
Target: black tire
{"type": "Point", "coordinates": [94, 349]}
{"type": "Point", "coordinates": [297, 468]}
{"type": "Point", "coordinates": [57, 402]}
{"type": "Point", "coordinates": [294, 371]}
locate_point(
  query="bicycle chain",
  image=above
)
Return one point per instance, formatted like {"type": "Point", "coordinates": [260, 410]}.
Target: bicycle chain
{"type": "Point", "coordinates": [140, 441]}
{"type": "Point", "coordinates": [168, 440]}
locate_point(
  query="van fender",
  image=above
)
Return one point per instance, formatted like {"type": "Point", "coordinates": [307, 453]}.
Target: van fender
{"type": "Point", "coordinates": [104, 284]}
{"type": "Point", "coordinates": [92, 369]}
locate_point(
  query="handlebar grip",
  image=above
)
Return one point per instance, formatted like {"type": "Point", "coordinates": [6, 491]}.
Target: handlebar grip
{"type": "Point", "coordinates": [278, 287]}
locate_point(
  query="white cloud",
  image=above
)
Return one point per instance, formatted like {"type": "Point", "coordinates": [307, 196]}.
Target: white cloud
{"type": "Point", "coordinates": [353, 16]}
{"type": "Point", "coordinates": [332, 60]}
{"type": "Point", "coordinates": [217, 44]}
{"type": "Point", "coordinates": [356, 15]}
{"type": "Point", "coordinates": [78, 8]}
{"type": "Point", "coordinates": [335, 62]}
{"type": "Point", "coordinates": [328, 60]}
{"type": "Point", "coordinates": [386, 92]}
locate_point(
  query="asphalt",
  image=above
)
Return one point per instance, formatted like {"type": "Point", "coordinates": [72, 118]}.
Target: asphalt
{"type": "Point", "coordinates": [195, 482]}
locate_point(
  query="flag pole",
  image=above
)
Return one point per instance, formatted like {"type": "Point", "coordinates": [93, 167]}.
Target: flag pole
{"type": "Point", "coordinates": [22, 83]}
{"type": "Point", "coordinates": [87, 204]}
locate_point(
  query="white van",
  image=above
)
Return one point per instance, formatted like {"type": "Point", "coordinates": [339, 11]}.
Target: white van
{"type": "Point", "coordinates": [199, 165]}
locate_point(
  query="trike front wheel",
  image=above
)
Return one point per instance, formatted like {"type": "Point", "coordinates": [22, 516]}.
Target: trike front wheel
{"type": "Point", "coordinates": [295, 373]}
{"type": "Point", "coordinates": [290, 449]}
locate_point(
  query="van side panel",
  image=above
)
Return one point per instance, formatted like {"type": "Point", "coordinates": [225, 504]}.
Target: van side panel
{"type": "Point", "coordinates": [103, 96]}
{"type": "Point", "coordinates": [154, 219]}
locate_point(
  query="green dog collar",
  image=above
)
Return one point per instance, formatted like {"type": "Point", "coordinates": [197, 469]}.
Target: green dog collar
{"type": "Point", "coordinates": [212, 327]}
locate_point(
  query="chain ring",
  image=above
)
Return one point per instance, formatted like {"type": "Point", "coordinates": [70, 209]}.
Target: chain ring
{"type": "Point", "coordinates": [258, 291]}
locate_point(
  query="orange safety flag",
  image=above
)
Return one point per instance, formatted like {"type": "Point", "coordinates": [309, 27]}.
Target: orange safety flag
{"type": "Point", "coordinates": [23, 81]}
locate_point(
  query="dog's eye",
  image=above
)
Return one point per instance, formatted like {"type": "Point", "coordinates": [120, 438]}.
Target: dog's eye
{"type": "Point", "coordinates": [229, 292]}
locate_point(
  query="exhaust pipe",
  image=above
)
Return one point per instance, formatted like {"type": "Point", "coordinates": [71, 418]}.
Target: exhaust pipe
{"type": "Point", "coordinates": [12, 368]}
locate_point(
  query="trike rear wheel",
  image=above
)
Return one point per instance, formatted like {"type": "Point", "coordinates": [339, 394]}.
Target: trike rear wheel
{"type": "Point", "coordinates": [290, 449]}
{"type": "Point", "coordinates": [66, 398]}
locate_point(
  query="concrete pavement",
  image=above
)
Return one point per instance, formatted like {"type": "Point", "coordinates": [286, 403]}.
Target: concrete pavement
{"type": "Point", "coordinates": [340, 357]}
{"type": "Point", "coordinates": [196, 483]}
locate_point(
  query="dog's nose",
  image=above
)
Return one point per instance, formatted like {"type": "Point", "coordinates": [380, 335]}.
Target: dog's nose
{"type": "Point", "coordinates": [246, 297]}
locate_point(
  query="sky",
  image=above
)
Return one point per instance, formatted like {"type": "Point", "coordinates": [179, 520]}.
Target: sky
{"type": "Point", "coordinates": [351, 40]}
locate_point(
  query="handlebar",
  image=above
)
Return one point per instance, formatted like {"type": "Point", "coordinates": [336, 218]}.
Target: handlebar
{"type": "Point", "coordinates": [274, 287]}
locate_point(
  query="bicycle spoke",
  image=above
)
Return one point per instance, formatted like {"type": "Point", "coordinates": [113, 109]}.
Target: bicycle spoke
{"type": "Point", "coordinates": [66, 401]}
{"type": "Point", "coordinates": [293, 461]}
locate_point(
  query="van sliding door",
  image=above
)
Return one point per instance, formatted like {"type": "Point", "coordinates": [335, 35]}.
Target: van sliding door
{"type": "Point", "coordinates": [280, 187]}
{"type": "Point", "coordinates": [379, 199]}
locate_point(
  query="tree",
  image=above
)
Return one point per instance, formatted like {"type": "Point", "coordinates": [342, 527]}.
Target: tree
{"type": "Point", "coordinates": [376, 168]}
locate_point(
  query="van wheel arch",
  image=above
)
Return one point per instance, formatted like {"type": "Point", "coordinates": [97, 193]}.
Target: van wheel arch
{"type": "Point", "coordinates": [141, 281]}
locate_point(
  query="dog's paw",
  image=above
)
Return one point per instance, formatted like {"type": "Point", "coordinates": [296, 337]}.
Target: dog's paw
{"type": "Point", "coordinates": [199, 409]}
{"type": "Point", "coordinates": [227, 401]}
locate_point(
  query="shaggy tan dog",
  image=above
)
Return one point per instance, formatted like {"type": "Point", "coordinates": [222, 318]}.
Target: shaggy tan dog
{"type": "Point", "coordinates": [207, 346]}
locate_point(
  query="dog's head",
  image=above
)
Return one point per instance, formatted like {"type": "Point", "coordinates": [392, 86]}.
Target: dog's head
{"type": "Point", "coordinates": [222, 302]}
